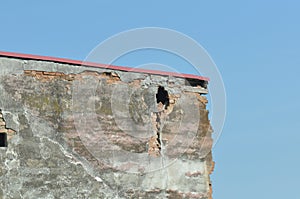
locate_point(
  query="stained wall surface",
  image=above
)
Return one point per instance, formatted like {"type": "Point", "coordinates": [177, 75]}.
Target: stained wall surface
{"type": "Point", "coordinates": [71, 131]}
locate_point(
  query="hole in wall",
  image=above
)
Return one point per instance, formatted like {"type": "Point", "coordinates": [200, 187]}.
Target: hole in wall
{"type": "Point", "coordinates": [163, 101]}
{"type": "Point", "coordinates": [196, 83]}
{"type": "Point", "coordinates": [162, 96]}
{"type": "Point", "coordinates": [3, 140]}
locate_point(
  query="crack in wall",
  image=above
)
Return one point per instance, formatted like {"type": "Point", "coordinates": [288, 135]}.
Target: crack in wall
{"type": "Point", "coordinates": [158, 119]}
{"type": "Point", "coordinates": [5, 133]}
{"type": "Point", "coordinates": [30, 165]}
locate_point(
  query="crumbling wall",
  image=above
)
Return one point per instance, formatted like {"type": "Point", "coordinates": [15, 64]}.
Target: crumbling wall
{"type": "Point", "coordinates": [83, 132]}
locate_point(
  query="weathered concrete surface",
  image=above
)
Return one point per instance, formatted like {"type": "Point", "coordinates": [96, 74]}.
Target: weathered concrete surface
{"type": "Point", "coordinates": [82, 132]}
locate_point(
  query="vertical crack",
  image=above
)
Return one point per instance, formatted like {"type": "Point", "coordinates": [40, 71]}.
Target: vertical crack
{"type": "Point", "coordinates": [158, 118]}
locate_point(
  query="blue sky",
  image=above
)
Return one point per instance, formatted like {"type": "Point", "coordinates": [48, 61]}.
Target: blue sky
{"type": "Point", "coordinates": [255, 44]}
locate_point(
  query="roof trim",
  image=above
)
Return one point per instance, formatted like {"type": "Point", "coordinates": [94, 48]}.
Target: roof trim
{"type": "Point", "coordinates": [98, 65]}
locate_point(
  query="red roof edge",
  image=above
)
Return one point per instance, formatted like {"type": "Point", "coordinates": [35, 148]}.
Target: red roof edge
{"type": "Point", "coordinates": [98, 65]}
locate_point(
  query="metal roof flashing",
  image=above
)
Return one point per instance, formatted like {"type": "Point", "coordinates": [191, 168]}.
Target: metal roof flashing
{"type": "Point", "coordinates": [99, 65]}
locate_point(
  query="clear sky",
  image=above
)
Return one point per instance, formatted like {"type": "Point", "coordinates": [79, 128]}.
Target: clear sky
{"type": "Point", "coordinates": [255, 44]}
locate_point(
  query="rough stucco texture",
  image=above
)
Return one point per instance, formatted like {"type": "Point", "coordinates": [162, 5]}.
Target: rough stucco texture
{"type": "Point", "coordinates": [83, 132]}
